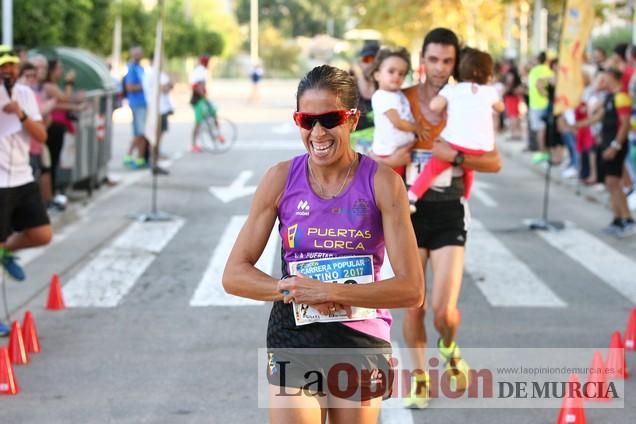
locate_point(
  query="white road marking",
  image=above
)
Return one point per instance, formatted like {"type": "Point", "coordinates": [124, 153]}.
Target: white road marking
{"type": "Point", "coordinates": [393, 410]}
{"type": "Point", "coordinates": [295, 145]}
{"type": "Point", "coordinates": [236, 189]}
{"type": "Point", "coordinates": [609, 265]}
{"type": "Point", "coordinates": [386, 271]}
{"type": "Point", "coordinates": [210, 291]}
{"type": "Point", "coordinates": [479, 191]}
{"type": "Point", "coordinates": [107, 278]}
{"type": "Point", "coordinates": [504, 279]}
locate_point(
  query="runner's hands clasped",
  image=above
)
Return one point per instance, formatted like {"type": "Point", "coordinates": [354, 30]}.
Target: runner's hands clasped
{"type": "Point", "coordinates": [301, 289]}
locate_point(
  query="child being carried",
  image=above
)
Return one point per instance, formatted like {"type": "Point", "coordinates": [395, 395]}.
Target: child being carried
{"type": "Point", "coordinates": [469, 127]}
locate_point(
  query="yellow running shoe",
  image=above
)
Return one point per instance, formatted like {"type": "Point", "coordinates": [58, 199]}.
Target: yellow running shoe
{"type": "Point", "coordinates": [418, 398]}
{"type": "Point", "coordinates": [456, 365]}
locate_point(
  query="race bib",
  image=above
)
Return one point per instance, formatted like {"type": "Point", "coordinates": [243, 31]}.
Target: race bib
{"type": "Point", "coordinates": [340, 270]}
{"type": "Point", "coordinates": [419, 159]}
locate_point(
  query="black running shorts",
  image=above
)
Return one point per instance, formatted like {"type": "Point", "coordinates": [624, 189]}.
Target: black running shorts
{"type": "Point", "coordinates": [613, 167]}
{"type": "Point", "coordinates": [439, 224]}
{"type": "Point", "coordinates": [317, 349]}
{"type": "Point", "coordinates": [21, 208]}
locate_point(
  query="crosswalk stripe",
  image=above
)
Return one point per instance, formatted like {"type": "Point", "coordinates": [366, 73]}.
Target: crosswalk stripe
{"type": "Point", "coordinates": [503, 278]}
{"type": "Point", "coordinates": [210, 291]}
{"type": "Point", "coordinates": [393, 411]}
{"type": "Point", "coordinates": [609, 265]}
{"type": "Point", "coordinates": [106, 279]}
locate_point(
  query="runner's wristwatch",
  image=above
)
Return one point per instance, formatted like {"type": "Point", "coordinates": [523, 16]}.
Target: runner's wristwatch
{"type": "Point", "coordinates": [616, 145]}
{"type": "Point", "coordinates": [23, 117]}
{"type": "Point", "coordinates": [459, 159]}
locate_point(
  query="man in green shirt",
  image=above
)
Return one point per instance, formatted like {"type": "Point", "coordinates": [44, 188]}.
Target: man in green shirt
{"type": "Point", "coordinates": [538, 97]}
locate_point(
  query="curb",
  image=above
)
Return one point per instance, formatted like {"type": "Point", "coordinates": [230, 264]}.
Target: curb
{"type": "Point", "coordinates": [513, 150]}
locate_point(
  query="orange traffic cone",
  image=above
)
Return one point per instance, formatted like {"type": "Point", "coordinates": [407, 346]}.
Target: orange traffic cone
{"type": "Point", "coordinates": [30, 334]}
{"type": "Point", "coordinates": [572, 411]}
{"type": "Point", "coordinates": [8, 383]}
{"type": "Point", "coordinates": [56, 301]}
{"type": "Point", "coordinates": [630, 332]}
{"type": "Point", "coordinates": [597, 380]}
{"type": "Point", "coordinates": [616, 365]}
{"type": "Point", "coordinates": [17, 352]}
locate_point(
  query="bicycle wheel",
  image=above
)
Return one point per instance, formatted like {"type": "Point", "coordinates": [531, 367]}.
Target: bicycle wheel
{"type": "Point", "coordinates": [217, 139]}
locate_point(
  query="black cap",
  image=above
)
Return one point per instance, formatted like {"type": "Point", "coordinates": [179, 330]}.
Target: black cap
{"type": "Point", "coordinates": [369, 49]}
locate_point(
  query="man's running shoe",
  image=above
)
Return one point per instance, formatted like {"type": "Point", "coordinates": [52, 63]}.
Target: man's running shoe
{"type": "Point", "coordinates": [142, 163]}
{"type": "Point", "coordinates": [628, 229]}
{"type": "Point", "coordinates": [221, 139]}
{"type": "Point", "coordinates": [129, 162]}
{"type": "Point", "coordinates": [418, 397]}
{"type": "Point", "coordinates": [11, 266]}
{"type": "Point", "coordinates": [195, 148]}
{"type": "Point", "coordinates": [4, 329]}
{"type": "Point", "coordinates": [456, 365]}
{"type": "Point", "coordinates": [540, 157]}
{"type": "Point", "coordinates": [614, 228]}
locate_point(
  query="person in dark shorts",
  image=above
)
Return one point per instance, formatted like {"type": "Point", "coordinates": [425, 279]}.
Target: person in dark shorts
{"type": "Point", "coordinates": [23, 219]}
{"type": "Point", "coordinates": [612, 150]}
{"type": "Point", "coordinates": [442, 217]}
{"type": "Point", "coordinates": [337, 210]}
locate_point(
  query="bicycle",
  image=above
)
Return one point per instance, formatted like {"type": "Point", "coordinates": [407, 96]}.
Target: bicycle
{"type": "Point", "coordinates": [217, 139]}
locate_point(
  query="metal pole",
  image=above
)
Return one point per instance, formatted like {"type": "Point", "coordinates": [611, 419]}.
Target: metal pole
{"type": "Point", "coordinates": [254, 31]}
{"type": "Point", "coordinates": [523, 31]}
{"type": "Point", "coordinates": [634, 22]}
{"type": "Point", "coordinates": [544, 29]}
{"type": "Point", "coordinates": [536, 27]}
{"type": "Point", "coordinates": [7, 22]}
{"type": "Point", "coordinates": [116, 63]}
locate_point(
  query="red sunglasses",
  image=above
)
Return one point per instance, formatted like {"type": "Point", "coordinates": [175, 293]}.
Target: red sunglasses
{"type": "Point", "coordinates": [327, 120]}
{"type": "Point", "coordinates": [367, 59]}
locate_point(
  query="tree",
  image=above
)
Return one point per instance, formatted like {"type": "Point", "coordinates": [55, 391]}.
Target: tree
{"type": "Point", "coordinates": [38, 23]}
{"type": "Point", "coordinates": [100, 38]}
{"type": "Point", "coordinates": [297, 17]}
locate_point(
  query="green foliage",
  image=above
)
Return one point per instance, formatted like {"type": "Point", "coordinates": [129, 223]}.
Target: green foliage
{"type": "Point", "coordinates": [280, 57]}
{"type": "Point", "coordinates": [188, 38]}
{"type": "Point", "coordinates": [101, 27]}
{"type": "Point", "coordinates": [38, 22]}
{"type": "Point", "coordinates": [89, 24]}
{"type": "Point", "coordinates": [297, 17]}
{"type": "Point", "coordinates": [615, 37]}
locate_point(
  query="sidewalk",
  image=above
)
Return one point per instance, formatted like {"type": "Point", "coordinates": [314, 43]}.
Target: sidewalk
{"type": "Point", "coordinates": [513, 150]}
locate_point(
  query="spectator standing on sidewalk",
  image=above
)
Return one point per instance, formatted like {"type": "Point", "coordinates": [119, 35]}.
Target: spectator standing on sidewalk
{"type": "Point", "coordinates": [137, 101]}
{"type": "Point", "coordinates": [599, 57]}
{"type": "Point", "coordinates": [23, 219]}
{"type": "Point", "coordinates": [67, 101]}
{"type": "Point", "coordinates": [165, 109]}
{"type": "Point", "coordinates": [612, 150]}
{"type": "Point", "coordinates": [512, 100]}
{"type": "Point", "coordinates": [538, 98]}
{"type": "Point", "coordinates": [30, 73]}
{"type": "Point", "coordinates": [630, 162]}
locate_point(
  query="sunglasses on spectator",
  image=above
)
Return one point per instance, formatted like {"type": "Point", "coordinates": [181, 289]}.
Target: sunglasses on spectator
{"type": "Point", "coordinates": [29, 75]}
{"type": "Point", "coordinates": [367, 59]}
{"type": "Point", "coordinates": [327, 120]}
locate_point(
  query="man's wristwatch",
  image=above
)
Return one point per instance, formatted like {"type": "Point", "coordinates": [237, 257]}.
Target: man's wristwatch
{"type": "Point", "coordinates": [616, 145]}
{"type": "Point", "coordinates": [23, 117]}
{"type": "Point", "coordinates": [459, 159]}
